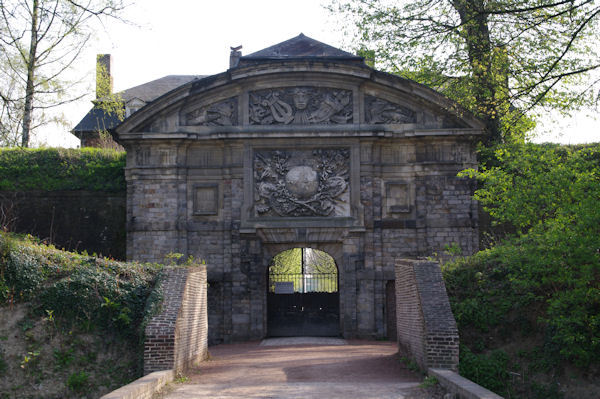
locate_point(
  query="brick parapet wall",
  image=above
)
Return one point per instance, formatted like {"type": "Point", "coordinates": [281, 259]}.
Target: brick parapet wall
{"type": "Point", "coordinates": [176, 338]}
{"type": "Point", "coordinates": [426, 327]}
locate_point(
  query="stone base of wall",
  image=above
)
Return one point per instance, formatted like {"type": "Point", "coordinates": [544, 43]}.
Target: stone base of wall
{"type": "Point", "coordinates": [143, 388]}
{"type": "Point", "coordinates": [177, 338]}
{"type": "Point", "coordinates": [461, 387]}
{"type": "Point", "coordinates": [426, 327]}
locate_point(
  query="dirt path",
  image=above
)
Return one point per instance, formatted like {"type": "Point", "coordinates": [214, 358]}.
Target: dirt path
{"type": "Point", "coordinates": [354, 369]}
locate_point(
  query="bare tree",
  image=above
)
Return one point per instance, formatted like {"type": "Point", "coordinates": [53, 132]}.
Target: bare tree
{"type": "Point", "coordinates": [40, 40]}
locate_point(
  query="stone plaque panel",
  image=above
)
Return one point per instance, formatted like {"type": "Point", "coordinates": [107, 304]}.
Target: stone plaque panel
{"type": "Point", "coordinates": [399, 198]}
{"type": "Point", "coordinates": [206, 199]}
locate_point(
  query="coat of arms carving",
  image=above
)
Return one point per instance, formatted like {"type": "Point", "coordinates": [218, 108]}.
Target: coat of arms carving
{"type": "Point", "coordinates": [302, 183]}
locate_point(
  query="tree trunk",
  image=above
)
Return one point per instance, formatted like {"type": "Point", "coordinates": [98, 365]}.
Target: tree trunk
{"type": "Point", "coordinates": [31, 64]}
{"type": "Point", "coordinates": [476, 34]}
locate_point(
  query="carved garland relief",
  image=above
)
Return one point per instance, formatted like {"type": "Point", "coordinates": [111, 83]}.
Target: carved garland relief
{"type": "Point", "coordinates": [223, 113]}
{"type": "Point", "coordinates": [380, 111]}
{"type": "Point", "coordinates": [302, 183]}
{"type": "Point", "coordinates": [300, 106]}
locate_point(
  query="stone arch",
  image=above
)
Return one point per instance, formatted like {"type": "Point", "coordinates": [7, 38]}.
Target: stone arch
{"type": "Point", "coordinates": [303, 302]}
{"type": "Point", "coordinates": [328, 240]}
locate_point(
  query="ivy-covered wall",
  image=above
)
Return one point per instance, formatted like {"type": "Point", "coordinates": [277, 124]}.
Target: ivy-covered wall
{"type": "Point", "coordinates": [73, 198]}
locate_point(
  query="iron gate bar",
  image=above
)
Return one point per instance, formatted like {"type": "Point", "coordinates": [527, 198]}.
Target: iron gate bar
{"type": "Point", "coordinates": [306, 282]}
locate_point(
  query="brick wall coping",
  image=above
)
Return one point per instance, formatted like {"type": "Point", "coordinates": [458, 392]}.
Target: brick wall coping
{"type": "Point", "coordinates": [460, 386]}
{"type": "Point", "coordinates": [143, 388]}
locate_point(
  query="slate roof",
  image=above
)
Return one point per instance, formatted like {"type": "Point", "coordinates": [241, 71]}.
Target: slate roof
{"type": "Point", "coordinates": [156, 88]}
{"type": "Point", "coordinates": [300, 46]}
{"type": "Point", "coordinates": [96, 119]}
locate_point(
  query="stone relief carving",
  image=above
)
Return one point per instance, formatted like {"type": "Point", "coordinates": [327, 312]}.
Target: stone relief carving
{"type": "Point", "coordinates": [302, 183]}
{"type": "Point", "coordinates": [223, 113]}
{"type": "Point", "coordinates": [300, 105]}
{"type": "Point", "coordinates": [379, 111]}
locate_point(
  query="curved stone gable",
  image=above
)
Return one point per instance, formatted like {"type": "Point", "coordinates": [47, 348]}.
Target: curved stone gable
{"type": "Point", "coordinates": [277, 154]}
{"type": "Point", "coordinates": [299, 94]}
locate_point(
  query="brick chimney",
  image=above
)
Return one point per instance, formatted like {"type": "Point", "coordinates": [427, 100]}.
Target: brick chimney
{"type": "Point", "coordinates": [104, 80]}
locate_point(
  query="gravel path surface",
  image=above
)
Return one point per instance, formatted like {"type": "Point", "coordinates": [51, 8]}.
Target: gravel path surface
{"type": "Point", "coordinates": [302, 368]}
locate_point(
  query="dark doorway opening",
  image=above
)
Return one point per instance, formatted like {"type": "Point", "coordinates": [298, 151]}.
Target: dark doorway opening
{"type": "Point", "coordinates": [303, 297]}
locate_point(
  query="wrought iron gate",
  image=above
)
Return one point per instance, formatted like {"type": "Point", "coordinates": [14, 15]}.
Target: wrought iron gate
{"type": "Point", "coordinates": [303, 304]}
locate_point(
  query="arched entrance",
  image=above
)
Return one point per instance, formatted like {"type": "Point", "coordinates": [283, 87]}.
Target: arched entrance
{"type": "Point", "coordinates": [302, 294]}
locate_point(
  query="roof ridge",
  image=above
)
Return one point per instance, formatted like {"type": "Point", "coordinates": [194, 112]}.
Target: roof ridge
{"type": "Point", "coordinates": [301, 46]}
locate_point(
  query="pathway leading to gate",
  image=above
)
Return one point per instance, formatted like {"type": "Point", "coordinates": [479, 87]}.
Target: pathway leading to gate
{"type": "Point", "coordinates": [302, 368]}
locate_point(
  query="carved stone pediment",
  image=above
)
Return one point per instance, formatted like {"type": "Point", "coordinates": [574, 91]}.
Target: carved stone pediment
{"type": "Point", "coordinates": [302, 182]}
{"type": "Point", "coordinates": [223, 113]}
{"type": "Point", "coordinates": [379, 111]}
{"type": "Point", "coordinates": [301, 106]}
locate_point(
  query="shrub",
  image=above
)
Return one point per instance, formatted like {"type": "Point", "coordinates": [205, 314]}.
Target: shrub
{"type": "Point", "coordinates": [52, 169]}
{"type": "Point", "coordinates": [549, 195]}
{"type": "Point", "coordinates": [489, 371]}
{"type": "Point", "coordinates": [78, 382]}
{"type": "Point", "coordinates": [80, 289]}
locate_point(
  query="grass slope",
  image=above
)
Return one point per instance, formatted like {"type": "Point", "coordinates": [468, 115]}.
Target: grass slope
{"type": "Point", "coordinates": [71, 325]}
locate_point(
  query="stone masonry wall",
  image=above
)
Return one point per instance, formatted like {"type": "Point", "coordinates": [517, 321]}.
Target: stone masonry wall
{"type": "Point", "coordinates": [177, 337]}
{"type": "Point", "coordinates": [426, 327]}
{"type": "Point", "coordinates": [93, 221]}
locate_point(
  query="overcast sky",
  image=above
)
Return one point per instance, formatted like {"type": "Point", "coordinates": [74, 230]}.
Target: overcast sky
{"type": "Point", "coordinates": [182, 37]}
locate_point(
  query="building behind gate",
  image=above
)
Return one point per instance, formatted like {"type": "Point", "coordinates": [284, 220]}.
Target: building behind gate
{"type": "Point", "coordinates": [299, 145]}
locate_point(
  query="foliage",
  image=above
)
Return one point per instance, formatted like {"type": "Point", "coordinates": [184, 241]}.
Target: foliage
{"type": "Point", "coordinates": [290, 261]}
{"type": "Point", "coordinates": [489, 371]}
{"type": "Point", "coordinates": [298, 265]}
{"type": "Point", "coordinates": [286, 262]}
{"type": "Point", "coordinates": [78, 382]}
{"type": "Point", "coordinates": [82, 291]}
{"type": "Point", "coordinates": [528, 185]}
{"type": "Point", "coordinates": [53, 169]}
{"type": "Point", "coordinates": [41, 40]}
{"type": "Point", "coordinates": [63, 358]}
{"type": "Point", "coordinates": [429, 381]}
{"type": "Point", "coordinates": [319, 262]}
{"type": "Point", "coordinates": [81, 306]}
{"type": "Point", "coordinates": [107, 100]}
{"type": "Point", "coordinates": [542, 280]}
{"type": "Point", "coordinates": [410, 364]}
{"type": "Point", "coordinates": [501, 60]}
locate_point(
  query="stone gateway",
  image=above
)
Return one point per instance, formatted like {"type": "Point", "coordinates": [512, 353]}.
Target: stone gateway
{"type": "Point", "coordinates": [299, 145]}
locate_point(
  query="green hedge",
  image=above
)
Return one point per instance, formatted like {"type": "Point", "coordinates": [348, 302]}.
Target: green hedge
{"type": "Point", "coordinates": [57, 169]}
